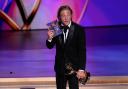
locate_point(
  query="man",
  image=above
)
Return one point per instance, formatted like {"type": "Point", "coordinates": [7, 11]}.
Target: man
{"type": "Point", "coordinates": [70, 48]}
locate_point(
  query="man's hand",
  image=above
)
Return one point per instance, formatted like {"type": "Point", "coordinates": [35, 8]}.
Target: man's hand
{"type": "Point", "coordinates": [81, 74]}
{"type": "Point", "coordinates": [51, 34]}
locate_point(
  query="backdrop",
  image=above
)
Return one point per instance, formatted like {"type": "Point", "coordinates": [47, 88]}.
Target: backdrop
{"type": "Point", "coordinates": [97, 12]}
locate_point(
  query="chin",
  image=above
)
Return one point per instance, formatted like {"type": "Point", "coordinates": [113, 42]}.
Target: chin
{"type": "Point", "coordinates": [66, 24]}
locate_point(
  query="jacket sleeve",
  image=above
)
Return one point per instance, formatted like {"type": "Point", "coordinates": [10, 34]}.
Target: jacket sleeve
{"type": "Point", "coordinates": [51, 44]}
{"type": "Point", "coordinates": [82, 49]}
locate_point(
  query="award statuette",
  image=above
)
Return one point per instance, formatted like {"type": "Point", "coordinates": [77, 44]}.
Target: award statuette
{"type": "Point", "coordinates": [54, 25]}
{"type": "Point", "coordinates": [69, 71]}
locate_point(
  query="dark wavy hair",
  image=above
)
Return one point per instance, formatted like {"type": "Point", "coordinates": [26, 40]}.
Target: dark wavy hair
{"type": "Point", "coordinates": [64, 7]}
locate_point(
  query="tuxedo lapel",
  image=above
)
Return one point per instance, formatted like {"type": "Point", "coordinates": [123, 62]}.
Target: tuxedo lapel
{"type": "Point", "coordinates": [61, 39]}
{"type": "Point", "coordinates": [70, 34]}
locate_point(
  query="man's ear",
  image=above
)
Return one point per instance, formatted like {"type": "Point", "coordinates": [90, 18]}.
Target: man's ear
{"type": "Point", "coordinates": [59, 19]}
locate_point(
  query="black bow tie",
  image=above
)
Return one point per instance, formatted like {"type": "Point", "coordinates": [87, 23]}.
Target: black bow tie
{"type": "Point", "coordinates": [65, 28]}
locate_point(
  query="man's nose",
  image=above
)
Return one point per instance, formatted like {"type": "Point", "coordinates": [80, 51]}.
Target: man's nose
{"type": "Point", "coordinates": [66, 18]}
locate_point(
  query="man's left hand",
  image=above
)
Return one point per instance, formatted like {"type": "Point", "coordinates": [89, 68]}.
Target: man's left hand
{"type": "Point", "coordinates": [81, 74]}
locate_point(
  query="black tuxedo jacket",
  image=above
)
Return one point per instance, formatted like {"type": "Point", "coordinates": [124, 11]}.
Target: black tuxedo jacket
{"type": "Point", "coordinates": [74, 50]}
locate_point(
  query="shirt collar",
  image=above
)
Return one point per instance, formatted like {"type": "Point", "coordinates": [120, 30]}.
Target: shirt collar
{"type": "Point", "coordinates": [69, 25]}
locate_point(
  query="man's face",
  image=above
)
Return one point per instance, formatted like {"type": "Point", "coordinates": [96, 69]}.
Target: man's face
{"type": "Point", "coordinates": [65, 16]}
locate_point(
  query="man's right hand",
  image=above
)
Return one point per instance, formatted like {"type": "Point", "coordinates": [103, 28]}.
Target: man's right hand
{"type": "Point", "coordinates": [51, 34]}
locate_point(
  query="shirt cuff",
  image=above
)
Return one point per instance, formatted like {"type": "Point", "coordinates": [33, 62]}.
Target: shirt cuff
{"type": "Point", "coordinates": [80, 70]}
{"type": "Point", "coordinates": [49, 40]}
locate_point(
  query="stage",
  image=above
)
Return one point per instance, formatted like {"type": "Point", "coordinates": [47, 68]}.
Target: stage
{"type": "Point", "coordinates": [102, 82]}
{"type": "Point", "coordinates": [24, 53]}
